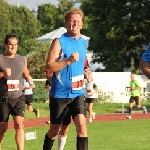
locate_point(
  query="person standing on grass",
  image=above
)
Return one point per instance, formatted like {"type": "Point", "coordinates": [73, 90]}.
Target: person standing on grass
{"type": "Point", "coordinates": [13, 68]}
{"type": "Point", "coordinates": [28, 93]}
{"type": "Point", "coordinates": [135, 96]}
{"type": "Point", "coordinates": [67, 81]}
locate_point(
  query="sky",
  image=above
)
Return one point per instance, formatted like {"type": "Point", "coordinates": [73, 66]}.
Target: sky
{"type": "Point", "coordinates": [31, 4]}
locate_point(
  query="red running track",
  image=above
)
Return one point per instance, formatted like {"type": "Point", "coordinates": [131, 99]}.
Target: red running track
{"type": "Point", "coordinates": [99, 118]}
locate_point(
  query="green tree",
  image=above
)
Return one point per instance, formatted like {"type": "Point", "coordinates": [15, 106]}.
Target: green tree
{"type": "Point", "coordinates": [52, 17]}
{"type": "Point", "coordinates": [117, 27]}
{"type": "Point", "coordinates": [36, 60]}
{"type": "Point", "coordinates": [26, 26]}
{"type": "Point", "coordinates": [5, 22]}
{"type": "Point", "coordinates": [47, 14]}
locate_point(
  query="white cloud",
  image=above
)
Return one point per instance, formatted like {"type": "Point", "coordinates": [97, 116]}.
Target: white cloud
{"type": "Point", "coordinates": [32, 4]}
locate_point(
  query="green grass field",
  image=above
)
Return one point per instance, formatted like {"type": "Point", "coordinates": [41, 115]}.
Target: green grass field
{"type": "Point", "coordinates": [118, 135]}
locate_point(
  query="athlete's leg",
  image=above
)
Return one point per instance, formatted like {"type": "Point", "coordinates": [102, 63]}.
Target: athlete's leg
{"type": "Point", "coordinates": [18, 118]}
{"type": "Point", "coordinates": [19, 128]}
{"type": "Point", "coordinates": [90, 106]}
{"type": "Point", "coordinates": [30, 108]}
{"type": "Point", "coordinates": [56, 120]}
{"type": "Point", "coordinates": [62, 137]}
{"type": "Point", "coordinates": [130, 108]}
{"type": "Point", "coordinates": [82, 140]}
{"type": "Point", "coordinates": [131, 102]}
{"type": "Point", "coordinates": [29, 99]}
{"type": "Point", "coordinates": [138, 104]}
{"type": "Point", "coordinates": [77, 108]}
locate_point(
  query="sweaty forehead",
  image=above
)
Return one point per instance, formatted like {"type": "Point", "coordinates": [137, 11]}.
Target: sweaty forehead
{"type": "Point", "coordinates": [75, 16]}
{"type": "Point", "coordinates": [13, 40]}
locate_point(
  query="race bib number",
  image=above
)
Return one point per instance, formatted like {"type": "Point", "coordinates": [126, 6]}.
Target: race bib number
{"type": "Point", "coordinates": [77, 82]}
{"type": "Point", "coordinates": [13, 85]}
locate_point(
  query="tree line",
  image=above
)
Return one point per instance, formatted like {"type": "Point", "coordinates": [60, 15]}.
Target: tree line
{"type": "Point", "coordinates": [118, 30]}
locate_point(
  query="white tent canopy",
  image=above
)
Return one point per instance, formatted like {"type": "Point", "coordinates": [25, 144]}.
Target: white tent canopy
{"type": "Point", "coordinates": [55, 34]}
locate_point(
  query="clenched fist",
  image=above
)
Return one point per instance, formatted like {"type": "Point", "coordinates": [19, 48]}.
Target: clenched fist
{"type": "Point", "coordinates": [74, 57]}
{"type": "Point", "coordinates": [7, 72]}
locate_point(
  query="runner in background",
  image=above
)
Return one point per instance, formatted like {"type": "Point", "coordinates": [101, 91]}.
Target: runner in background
{"type": "Point", "coordinates": [91, 94]}
{"type": "Point", "coordinates": [135, 96]}
{"type": "Point", "coordinates": [28, 93]}
{"type": "Point", "coordinates": [48, 87]}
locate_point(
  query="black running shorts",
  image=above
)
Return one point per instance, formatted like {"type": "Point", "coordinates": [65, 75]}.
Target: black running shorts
{"type": "Point", "coordinates": [59, 106]}
{"type": "Point", "coordinates": [13, 106]}
{"type": "Point", "coordinates": [90, 100]}
{"type": "Point", "coordinates": [29, 99]}
{"type": "Point", "coordinates": [134, 98]}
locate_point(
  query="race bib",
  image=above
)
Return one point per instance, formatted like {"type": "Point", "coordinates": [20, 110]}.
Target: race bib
{"type": "Point", "coordinates": [77, 82]}
{"type": "Point", "coordinates": [13, 85]}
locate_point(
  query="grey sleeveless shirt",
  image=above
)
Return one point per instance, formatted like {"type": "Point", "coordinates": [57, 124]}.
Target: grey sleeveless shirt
{"type": "Point", "coordinates": [17, 66]}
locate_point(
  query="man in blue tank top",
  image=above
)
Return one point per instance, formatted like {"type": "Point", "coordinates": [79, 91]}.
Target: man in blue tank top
{"type": "Point", "coordinates": [145, 62]}
{"type": "Point", "coordinates": [66, 61]}
{"type": "Point", "coordinates": [13, 68]}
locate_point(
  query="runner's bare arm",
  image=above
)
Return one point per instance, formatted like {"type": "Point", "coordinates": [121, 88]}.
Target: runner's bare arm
{"type": "Point", "coordinates": [51, 63]}
{"type": "Point", "coordinates": [145, 68]}
{"type": "Point", "coordinates": [96, 89]}
{"type": "Point", "coordinates": [32, 85]}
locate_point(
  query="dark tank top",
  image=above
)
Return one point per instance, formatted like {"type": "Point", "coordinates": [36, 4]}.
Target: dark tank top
{"type": "Point", "coordinates": [17, 66]}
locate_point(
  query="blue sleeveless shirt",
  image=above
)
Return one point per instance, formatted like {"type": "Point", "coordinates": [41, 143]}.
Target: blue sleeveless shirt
{"type": "Point", "coordinates": [146, 54]}
{"type": "Point", "coordinates": [62, 81]}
